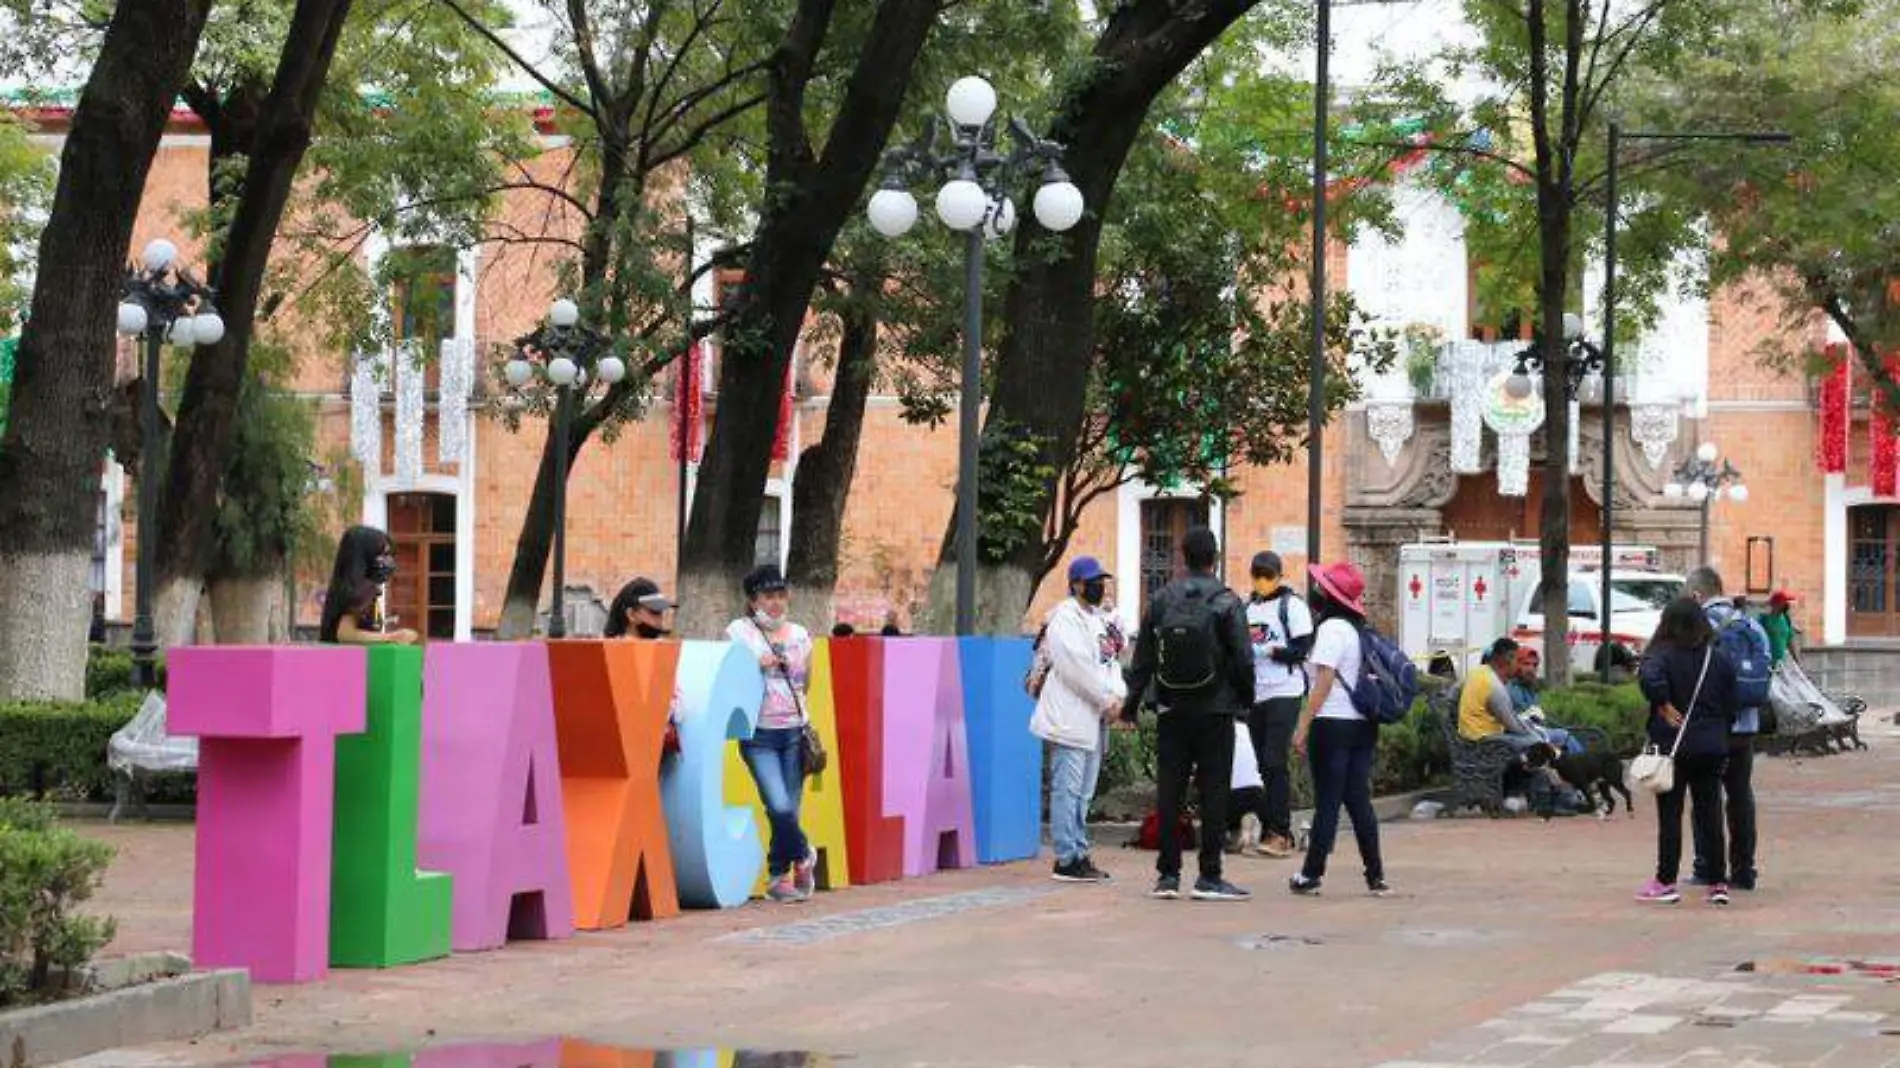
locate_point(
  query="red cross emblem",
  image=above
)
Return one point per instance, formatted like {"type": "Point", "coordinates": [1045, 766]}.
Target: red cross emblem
{"type": "Point", "coordinates": [1479, 587]}
{"type": "Point", "coordinates": [1416, 587]}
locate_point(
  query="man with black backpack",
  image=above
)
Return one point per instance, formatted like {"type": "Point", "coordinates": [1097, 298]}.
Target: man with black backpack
{"type": "Point", "coordinates": [1746, 645]}
{"type": "Point", "coordinates": [1193, 648]}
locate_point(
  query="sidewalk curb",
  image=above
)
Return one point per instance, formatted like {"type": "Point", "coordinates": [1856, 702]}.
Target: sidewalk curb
{"type": "Point", "coordinates": [158, 1011]}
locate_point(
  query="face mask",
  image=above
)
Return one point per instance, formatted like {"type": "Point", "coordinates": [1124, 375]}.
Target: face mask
{"type": "Point", "coordinates": [1265, 587]}
{"type": "Point", "coordinates": [382, 569]}
{"type": "Point", "coordinates": [648, 630]}
{"type": "Point", "coordinates": [1094, 592]}
{"type": "Point", "coordinates": [766, 619]}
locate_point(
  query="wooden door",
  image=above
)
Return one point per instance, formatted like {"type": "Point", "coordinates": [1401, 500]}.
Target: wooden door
{"type": "Point", "coordinates": [422, 595]}
{"type": "Point", "coordinates": [1872, 604]}
{"type": "Point", "coordinates": [1164, 524]}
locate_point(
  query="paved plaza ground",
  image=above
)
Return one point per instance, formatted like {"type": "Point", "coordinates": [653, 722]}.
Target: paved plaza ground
{"type": "Point", "coordinates": [1509, 943]}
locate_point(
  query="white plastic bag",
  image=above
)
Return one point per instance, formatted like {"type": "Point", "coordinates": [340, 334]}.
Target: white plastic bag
{"type": "Point", "coordinates": [1246, 768]}
{"type": "Point", "coordinates": [143, 745]}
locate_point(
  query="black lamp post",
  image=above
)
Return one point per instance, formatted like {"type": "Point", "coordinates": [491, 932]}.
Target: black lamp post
{"type": "Point", "coordinates": [571, 357]}
{"type": "Point", "coordinates": [1617, 136]}
{"type": "Point", "coordinates": [162, 303]}
{"type": "Point", "coordinates": [974, 200]}
{"type": "Point", "coordinates": [1704, 478]}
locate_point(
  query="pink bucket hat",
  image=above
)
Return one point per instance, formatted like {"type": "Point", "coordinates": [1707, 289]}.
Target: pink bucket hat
{"type": "Point", "coordinates": [1342, 582]}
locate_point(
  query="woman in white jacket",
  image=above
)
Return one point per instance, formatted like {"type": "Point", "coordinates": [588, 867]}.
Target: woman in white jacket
{"type": "Point", "coordinates": [1081, 686]}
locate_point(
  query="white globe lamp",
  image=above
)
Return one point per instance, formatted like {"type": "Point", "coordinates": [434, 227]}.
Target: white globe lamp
{"type": "Point", "coordinates": [1738, 493]}
{"type": "Point", "coordinates": [517, 372]}
{"type": "Point", "coordinates": [961, 204]}
{"type": "Point", "coordinates": [1707, 452]}
{"type": "Point", "coordinates": [132, 318]}
{"type": "Point", "coordinates": [971, 101]}
{"type": "Point", "coordinates": [612, 369]}
{"type": "Point", "coordinates": [1698, 491]}
{"type": "Point", "coordinates": [182, 334]}
{"type": "Point", "coordinates": [208, 328]}
{"type": "Point", "coordinates": [1573, 325]}
{"type": "Point", "coordinates": [1518, 386]}
{"type": "Point", "coordinates": [893, 212]}
{"type": "Point", "coordinates": [564, 313]}
{"type": "Point", "coordinates": [1001, 220]}
{"type": "Point", "coordinates": [562, 371]}
{"type": "Point", "coordinates": [159, 254]}
{"type": "Point", "coordinates": [1673, 491]}
{"type": "Point", "coordinates": [1058, 206]}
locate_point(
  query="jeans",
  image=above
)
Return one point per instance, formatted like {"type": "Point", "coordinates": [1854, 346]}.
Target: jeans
{"type": "Point", "coordinates": [1698, 778]}
{"type": "Point", "coordinates": [776, 758]}
{"type": "Point", "coordinates": [1072, 776]}
{"type": "Point", "coordinates": [1340, 753]}
{"type": "Point", "coordinates": [1738, 796]}
{"type": "Point", "coordinates": [1200, 744]}
{"type": "Point", "coordinates": [1272, 724]}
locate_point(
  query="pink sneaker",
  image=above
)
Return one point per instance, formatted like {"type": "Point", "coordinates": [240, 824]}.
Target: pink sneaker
{"type": "Point", "coordinates": [1656, 893]}
{"type": "Point", "coordinates": [805, 874]}
{"type": "Point", "coordinates": [784, 891]}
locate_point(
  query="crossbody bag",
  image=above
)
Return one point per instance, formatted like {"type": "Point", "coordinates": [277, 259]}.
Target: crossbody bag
{"type": "Point", "coordinates": [1654, 771]}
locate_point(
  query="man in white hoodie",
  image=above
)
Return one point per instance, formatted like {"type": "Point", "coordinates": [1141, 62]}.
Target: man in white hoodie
{"type": "Point", "coordinates": [1082, 685]}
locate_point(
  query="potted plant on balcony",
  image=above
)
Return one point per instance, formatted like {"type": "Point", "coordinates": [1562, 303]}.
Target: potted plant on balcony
{"type": "Point", "coordinates": [1422, 341]}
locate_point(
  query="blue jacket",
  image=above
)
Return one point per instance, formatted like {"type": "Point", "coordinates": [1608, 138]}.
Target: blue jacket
{"type": "Point", "coordinates": [1669, 675]}
{"type": "Point", "coordinates": [1720, 613]}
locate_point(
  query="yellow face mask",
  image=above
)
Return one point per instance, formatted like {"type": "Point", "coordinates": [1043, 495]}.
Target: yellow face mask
{"type": "Point", "coordinates": [1265, 586]}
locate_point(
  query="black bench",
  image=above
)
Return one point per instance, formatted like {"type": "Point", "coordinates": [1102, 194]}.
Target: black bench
{"type": "Point", "coordinates": [1480, 769]}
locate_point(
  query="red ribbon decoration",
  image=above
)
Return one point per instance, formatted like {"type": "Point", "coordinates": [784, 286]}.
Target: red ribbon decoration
{"type": "Point", "coordinates": [1880, 427]}
{"type": "Point", "coordinates": [1832, 443]}
{"type": "Point", "coordinates": [689, 405]}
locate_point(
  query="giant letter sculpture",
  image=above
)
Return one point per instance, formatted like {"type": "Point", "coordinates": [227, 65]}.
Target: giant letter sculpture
{"type": "Point", "coordinates": [716, 851]}
{"type": "Point", "coordinates": [267, 720]}
{"type": "Point", "coordinates": [821, 810]}
{"type": "Point", "coordinates": [857, 687]}
{"type": "Point", "coordinates": [610, 706]}
{"type": "Point", "coordinates": [491, 798]}
{"type": "Point", "coordinates": [927, 754]}
{"type": "Point", "coordinates": [1005, 759]}
{"type": "Point", "coordinates": [382, 910]}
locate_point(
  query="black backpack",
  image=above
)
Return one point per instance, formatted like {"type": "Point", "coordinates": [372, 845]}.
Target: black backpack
{"type": "Point", "coordinates": [1187, 639]}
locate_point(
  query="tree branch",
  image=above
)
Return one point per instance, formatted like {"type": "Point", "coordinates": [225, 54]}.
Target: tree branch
{"type": "Point", "coordinates": [518, 60]}
{"type": "Point", "coordinates": [713, 122]}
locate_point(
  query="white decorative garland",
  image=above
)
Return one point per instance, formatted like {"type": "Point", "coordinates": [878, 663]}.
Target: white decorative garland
{"type": "Point", "coordinates": [366, 411]}
{"type": "Point", "coordinates": [451, 417]}
{"type": "Point", "coordinates": [410, 413]}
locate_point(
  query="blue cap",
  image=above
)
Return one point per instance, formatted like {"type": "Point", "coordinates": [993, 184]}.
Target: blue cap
{"type": "Point", "coordinates": [1086, 569]}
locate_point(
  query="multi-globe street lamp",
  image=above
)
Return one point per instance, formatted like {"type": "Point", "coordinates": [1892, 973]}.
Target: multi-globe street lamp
{"type": "Point", "coordinates": [162, 303]}
{"type": "Point", "coordinates": [1580, 358]}
{"type": "Point", "coordinates": [572, 357]}
{"type": "Point", "coordinates": [1704, 480]}
{"type": "Point", "coordinates": [974, 200]}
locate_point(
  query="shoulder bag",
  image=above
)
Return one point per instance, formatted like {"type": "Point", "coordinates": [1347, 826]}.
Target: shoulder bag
{"type": "Point", "coordinates": [810, 746]}
{"type": "Point", "coordinates": [1653, 771]}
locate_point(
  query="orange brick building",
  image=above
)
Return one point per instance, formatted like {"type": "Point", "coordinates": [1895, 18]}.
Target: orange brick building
{"type": "Point", "coordinates": [1398, 466]}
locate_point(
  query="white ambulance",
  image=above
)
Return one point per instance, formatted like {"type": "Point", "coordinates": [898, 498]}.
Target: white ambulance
{"type": "Point", "coordinates": [1456, 598]}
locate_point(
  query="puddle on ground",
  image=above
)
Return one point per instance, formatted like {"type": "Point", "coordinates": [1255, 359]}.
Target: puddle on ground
{"type": "Point", "coordinates": [553, 1053]}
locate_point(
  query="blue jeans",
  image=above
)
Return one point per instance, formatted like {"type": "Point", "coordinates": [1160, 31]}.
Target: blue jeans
{"type": "Point", "coordinates": [1072, 776]}
{"type": "Point", "coordinates": [776, 759]}
{"type": "Point", "coordinates": [1340, 754]}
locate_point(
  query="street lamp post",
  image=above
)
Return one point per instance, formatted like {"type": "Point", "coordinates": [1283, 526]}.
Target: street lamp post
{"type": "Point", "coordinates": [974, 200]}
{"type": "Point", "coordinates": [573, 357]}
{"type": "Point", "coordinates": [162, 302]}
{"type": "Point", "coordinates": [1617, 135]}
{"type": "Point", "coordinates": [1702, 479]}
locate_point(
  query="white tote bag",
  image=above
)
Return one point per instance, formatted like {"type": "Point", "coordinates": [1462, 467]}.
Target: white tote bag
{"type": "Point", "coordinates": [1246, 768]}
{"type": "Point", "coordinates": [1653, 771]}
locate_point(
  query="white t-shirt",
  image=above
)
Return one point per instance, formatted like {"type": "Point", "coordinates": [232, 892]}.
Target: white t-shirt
{"type": "Point", "coordinates": [1271, 678]}
{"type": "Point", "coordinates": [1337, 646]}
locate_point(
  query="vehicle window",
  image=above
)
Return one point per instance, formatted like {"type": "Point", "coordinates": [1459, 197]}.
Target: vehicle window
{"type": "Point", "coordinates": [1643, 595]}
{"type": "Point", "coordinates": [1581, 602]}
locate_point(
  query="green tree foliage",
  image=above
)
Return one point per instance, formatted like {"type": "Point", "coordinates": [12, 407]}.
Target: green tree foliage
{"type": "Point", "coordinates": [26, 187]}
{"type": "Point", "coordinates": [265, 512]}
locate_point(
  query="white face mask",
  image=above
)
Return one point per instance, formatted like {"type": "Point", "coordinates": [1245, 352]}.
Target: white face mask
{"type": "Point", "coordinates": [766, 619]}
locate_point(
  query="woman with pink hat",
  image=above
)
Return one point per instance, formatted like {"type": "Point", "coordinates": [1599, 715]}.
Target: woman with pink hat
{"type": "Point", "coordinates": [1342, 742]}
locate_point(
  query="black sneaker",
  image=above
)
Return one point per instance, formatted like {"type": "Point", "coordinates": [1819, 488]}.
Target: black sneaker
{"type": "Point", "coordinates": [1094, 874]}
{"type": "Point", "coordinates": [1743, 882]}
{"type": "Point", "coordinates": [1378, 888]}
{"type": "Point", "coordinates": [1303, 886]}
{"type": "Point", "coordinates": [1206, 889]}
{"type": "Point", "coordinates": [1072, 871]}
{"type": "Point", "coordinates": [1167, 888]}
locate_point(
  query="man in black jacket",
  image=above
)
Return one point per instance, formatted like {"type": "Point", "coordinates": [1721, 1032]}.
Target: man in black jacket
{"type": "Point", "coordinates": [1193, 647]}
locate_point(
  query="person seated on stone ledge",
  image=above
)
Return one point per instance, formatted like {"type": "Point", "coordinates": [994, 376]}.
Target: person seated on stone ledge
{"type": "Point", "coordinates": [1486, 709]}
{"type": "Point", "coordinates": [352, 608]}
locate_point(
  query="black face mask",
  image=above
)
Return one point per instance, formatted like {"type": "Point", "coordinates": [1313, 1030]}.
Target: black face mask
{"type": "Point", "coordinates": [1094, 592]}
{"type": "Point", "coordinates": [648, 630]}
{"type": "Point", "coordinates": [381, 570]}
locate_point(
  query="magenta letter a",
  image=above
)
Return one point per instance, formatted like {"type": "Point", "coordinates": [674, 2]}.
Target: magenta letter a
{"type": "Point", "coordinates": [491, 792]}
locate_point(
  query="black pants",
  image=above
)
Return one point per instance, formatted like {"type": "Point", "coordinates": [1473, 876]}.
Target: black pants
{"type": "Point", "coordinates": [1699, 781]}
{"type": "Point", "coordinates": [1340, 754]}
{"type": "Point", "coordinates": [1200, 745]}
{"type": "Point", "coordinates": [1272, 724]}
{"type": "Point", "coordinates": [1738, 804]}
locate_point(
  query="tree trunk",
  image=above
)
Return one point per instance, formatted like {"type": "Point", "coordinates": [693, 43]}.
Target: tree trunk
{"type": "Point", "coordinates": [522, 603]}
{"type": "Point", "coordinates": [274, 138]}
{"type": "Point", "coordinates": [1041, 376]}
{"type": "Point", "coordinates": [61, 412]}
{"type": "Point", "coordinates": [825, 470]}
{"type": "Point", "coordinates": [814, 198]}
{"type": "Point", "coordinates": [245, 609]}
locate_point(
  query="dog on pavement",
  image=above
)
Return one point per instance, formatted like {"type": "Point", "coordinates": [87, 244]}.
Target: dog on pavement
{"type": "Point", "coordinates": [1598, 776]}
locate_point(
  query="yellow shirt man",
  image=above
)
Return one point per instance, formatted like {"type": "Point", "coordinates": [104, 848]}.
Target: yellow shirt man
{"type": "Point", "coordinates": [1484, 708]}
